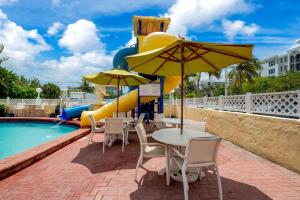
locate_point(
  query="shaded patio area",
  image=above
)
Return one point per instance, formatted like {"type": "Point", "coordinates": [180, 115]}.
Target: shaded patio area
{"type": "Point", "coordinates": [78, 171]}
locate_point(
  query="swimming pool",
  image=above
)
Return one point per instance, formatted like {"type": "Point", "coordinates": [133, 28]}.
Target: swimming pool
{"type": "Point", "coordinates": [16, 137]}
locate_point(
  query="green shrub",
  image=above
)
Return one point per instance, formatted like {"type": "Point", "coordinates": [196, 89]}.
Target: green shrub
{"type": "Point", "coordinates": [3, 110]}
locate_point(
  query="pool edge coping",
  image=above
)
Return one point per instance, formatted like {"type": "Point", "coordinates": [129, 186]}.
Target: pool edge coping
{"type": "Point", "coordinates": [17, 162]}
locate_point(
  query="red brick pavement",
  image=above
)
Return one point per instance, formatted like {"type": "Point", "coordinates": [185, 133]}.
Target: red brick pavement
{"type": "Point", "coordinates": [82, 172]}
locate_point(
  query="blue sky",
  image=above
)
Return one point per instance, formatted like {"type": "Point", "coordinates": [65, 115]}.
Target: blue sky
{"type": "Point", "coordinates": [61, 40]}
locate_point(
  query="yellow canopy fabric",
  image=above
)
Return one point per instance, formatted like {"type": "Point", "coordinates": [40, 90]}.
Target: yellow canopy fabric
{"type": "Point", "coordinates": [196, 57]}
{"type": "Point", "coordinates": [112, 77]}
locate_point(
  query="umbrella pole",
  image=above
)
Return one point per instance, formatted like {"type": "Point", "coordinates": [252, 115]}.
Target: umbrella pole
{"type": "Point", "coordinates": [182, 90]}
{"type": "Point", "coordinates": [118, 98]}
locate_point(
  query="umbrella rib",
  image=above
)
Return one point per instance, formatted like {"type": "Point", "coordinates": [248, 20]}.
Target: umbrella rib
{"type": "Point", "coordinates": [110, 80]}
{"type": "Point", "coordinates": [137, 79]}
{"type": "Point", "coordinates": [125, 80]}
{"type": "Point", "coordinates": [193, 52]}
{"type": "Point", "coordinates": [171, 54]}
{"type": "Point", "coordinates": [225, 53]}
{"type": "Point", "coordinates": [211, 65]}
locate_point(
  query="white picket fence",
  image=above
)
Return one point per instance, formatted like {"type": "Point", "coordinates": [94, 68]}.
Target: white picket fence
{"type": "Point", "coordinates": [278, 103]}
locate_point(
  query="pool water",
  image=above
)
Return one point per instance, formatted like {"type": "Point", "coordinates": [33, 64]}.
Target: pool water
{"type": "Point", "coordinates": [16, 137]}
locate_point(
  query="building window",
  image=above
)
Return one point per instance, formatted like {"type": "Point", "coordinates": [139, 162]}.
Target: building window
{"type": "Point", "coordinates": [285, 58]}
{"type": "Point", "coordinates": [298, 66]}
{"type": "Point", "coordinates": [281, 60]}
{"type": "Point", "coordinates": [292, 59]}
{"type": "Point", "coordinates": [272, 71]}
{"type": "Point", "coordinates": [292, 66]}
{"type": "Point", "coordinates": [298, 58]}
{"type": "Point", "coordinates": [285, 68]}
{"type": "Point", "coordinates": [281, 68]}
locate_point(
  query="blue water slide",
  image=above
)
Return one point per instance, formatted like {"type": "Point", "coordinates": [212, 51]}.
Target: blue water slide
{"type": "Point", "coordinates": [73, 112]}
{"type": "Point", "coordinates": [119, 60]}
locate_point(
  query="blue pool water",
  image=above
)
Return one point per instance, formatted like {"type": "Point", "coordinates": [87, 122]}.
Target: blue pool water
{"type": "Point", "coordinates": [16, 137]}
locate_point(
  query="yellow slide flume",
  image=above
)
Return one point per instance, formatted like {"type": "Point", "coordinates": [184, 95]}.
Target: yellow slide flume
{"type": "Point", "coordinates": [127, 102]}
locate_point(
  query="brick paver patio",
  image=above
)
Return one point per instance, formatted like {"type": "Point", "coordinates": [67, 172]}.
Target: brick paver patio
{"type": "Point", "coordinates": [82, 172]}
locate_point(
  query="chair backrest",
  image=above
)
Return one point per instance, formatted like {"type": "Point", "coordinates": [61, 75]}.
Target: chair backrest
{"type": "Point", "coordinates": [158, 116]}
{"type": "Point", "coordinates": [20, 106]}
{"type": "Point", "coordinates": [140, 129]}
{"type": "Point", "coordinates": [113, 126]}
{"type": "Point", "coordinates": [202, 150]}
{"type": "Point", "coordinates": [141, 118]}
{"type": "Point", "coordinates": [195, 125]}
{"type": "Point", "coordinates": [93, 122]}
{"type": "Point", "coordinates": [120, 115]}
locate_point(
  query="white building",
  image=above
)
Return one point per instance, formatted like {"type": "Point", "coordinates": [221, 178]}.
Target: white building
{"type": "Point", "coordinates": [281, 64]}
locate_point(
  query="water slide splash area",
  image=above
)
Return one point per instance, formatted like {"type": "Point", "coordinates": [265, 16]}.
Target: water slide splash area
{"type": "Point", "coordinates": [148, 38]}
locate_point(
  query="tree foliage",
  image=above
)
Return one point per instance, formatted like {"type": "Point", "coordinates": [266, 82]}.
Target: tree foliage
{"type": "Point", "coordinates": [244, 72]}
{"type": "Point", "coordinates": [50, 91]}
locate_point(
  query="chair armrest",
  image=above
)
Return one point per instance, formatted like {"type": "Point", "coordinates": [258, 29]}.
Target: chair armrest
{"type": "Point", "coordinates": [149, 135]}
{"type": "Point", "coordinates": [152, 144]}
{"type": "Point", "coordinates": [177, 152]}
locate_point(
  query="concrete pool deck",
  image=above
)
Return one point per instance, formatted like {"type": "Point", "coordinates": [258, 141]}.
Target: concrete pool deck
{"type": "Point", "coordinates": [81, 171]}
{"type": "Point", "coordinates": [17, 162]}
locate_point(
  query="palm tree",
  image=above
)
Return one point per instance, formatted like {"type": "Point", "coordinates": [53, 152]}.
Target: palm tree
{"type": "Point", "coordinates": [244, 72]}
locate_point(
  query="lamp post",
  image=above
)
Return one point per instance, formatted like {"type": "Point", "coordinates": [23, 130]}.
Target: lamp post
{"type": "Point", "coordinates": [38, 90]}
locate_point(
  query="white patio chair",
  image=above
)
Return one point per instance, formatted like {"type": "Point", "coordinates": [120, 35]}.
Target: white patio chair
{"type": "Point", "coordinates": [132, 125]}
{"type": "Point", "coordinates": [200, 152]}
{"type": "Point", "coordinates": [94, 128]}
{"type": "Point", "coordinates": [158, 123]}
{"type": "Point", "coordinates": [195, 125]}
{"type": "Point", "coordinates": [120, 115]}
{"type": "Point", "coordinates": [20, 108]}
{"type": "Point", "coordinates": [147, 150]}
{"type": "Point", "coordinates": [113, 128]}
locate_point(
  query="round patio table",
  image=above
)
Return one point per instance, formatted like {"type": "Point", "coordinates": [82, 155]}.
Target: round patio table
{"type": "Point", "coordinates": [173, 137]}
{"type": "Point", "coordinates": [175, 122]}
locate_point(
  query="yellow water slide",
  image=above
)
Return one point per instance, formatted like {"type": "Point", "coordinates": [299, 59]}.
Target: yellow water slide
{"type": "Point", "coordinates": [127, 102]}
{"type": "Point", "coordinates": [148, 39]}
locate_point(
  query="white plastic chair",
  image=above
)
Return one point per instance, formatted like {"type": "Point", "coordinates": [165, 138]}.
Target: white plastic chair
{"type": "Point", "coordinates": [159, 124]}
{"type": "Point", "coordinates": [132, 125]}
{"type": "Point", "coordinates": [95, 128]}
{"type": "Point", "coordinates": [113, 127]}
{"type": "Point", "coordinates": [200, 152]}
{"type": "Point", "coordinates": [20, 107]}
{"type": "Point", "coordinates": [147, 150]}
{"type": "Point", "coordinates": [120, 115]}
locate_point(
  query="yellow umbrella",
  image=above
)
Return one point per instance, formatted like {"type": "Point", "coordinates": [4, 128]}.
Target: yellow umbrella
{"type": "Point", "coordinates": [116, 77]}
{"type": "Point", "coordinates": [184, 57]}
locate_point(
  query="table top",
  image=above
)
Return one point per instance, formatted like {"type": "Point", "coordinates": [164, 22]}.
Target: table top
{"type": "Point", "coordinates": [172, 136]}
{"type": "Point", "coordinates": [125, 120]}
{"type": "Point", "coordinates": [173, 121]}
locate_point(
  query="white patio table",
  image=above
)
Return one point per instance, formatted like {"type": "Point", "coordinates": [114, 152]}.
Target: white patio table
{"type": "Point", "coordinates": [173, 137]}
{"type": "Point", "coordinates": [175, 122]}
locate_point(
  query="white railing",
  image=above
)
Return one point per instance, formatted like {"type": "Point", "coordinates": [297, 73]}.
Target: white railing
{"type": "Point", "coordinates": [277, 103]}
{"type": "Point", "coordinates": [9, 101]}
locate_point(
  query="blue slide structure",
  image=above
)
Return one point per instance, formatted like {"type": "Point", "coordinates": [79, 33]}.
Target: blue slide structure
{"type": "Point", "coordinates": [73, 112]}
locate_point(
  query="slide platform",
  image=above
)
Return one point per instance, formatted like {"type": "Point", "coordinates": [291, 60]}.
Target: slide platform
{"type": "Point", "coordinates": [73, 112]}
{"type": "Point", "coordinates": [127, 102]}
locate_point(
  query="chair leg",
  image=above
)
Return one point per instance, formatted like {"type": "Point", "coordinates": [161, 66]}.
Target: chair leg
{"type": "Point", "coordinates": [104, 143]}
{"type": "Point", "coordinates": [123, 142]}
{"type": "Point", "coordinates": [185, 183]}
{"type": "Point", "coordinates": [219, 184]}
{"type": "Point", "coordinates": [138, 164]}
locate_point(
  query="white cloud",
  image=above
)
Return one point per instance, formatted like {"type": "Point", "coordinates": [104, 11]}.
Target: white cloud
{"type": "Point", "coordinates": [238, 27]}
{"type": "Point", "coordinates": [2, 15]}
{"type": "Point", "coordinates": [132, 40]}
{"type": "Point", "coordinates": [21, 45]}
{"type": "Point", "coordinates": [191, 14]}
{"type": "Point", "coordinates": [5, 2]}
{"type": "Point", "coordinates": [55, 28]}
{"type": "Point", "coordinates": [56, 2]}
{"type": "Point", "coordinates": [24, 47]}
{"type": "Point", "coordinates": [81, 37]}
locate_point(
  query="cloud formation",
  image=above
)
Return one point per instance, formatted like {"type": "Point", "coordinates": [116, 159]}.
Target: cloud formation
{"type": "Point", "coordinates": [238, 27]}
{"type": "Point", "coordinates": [191, 14]}
{"type": "Point", "coordinates": [5, 2]}
{"type": "Point", "coordinates": [55, 28]}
